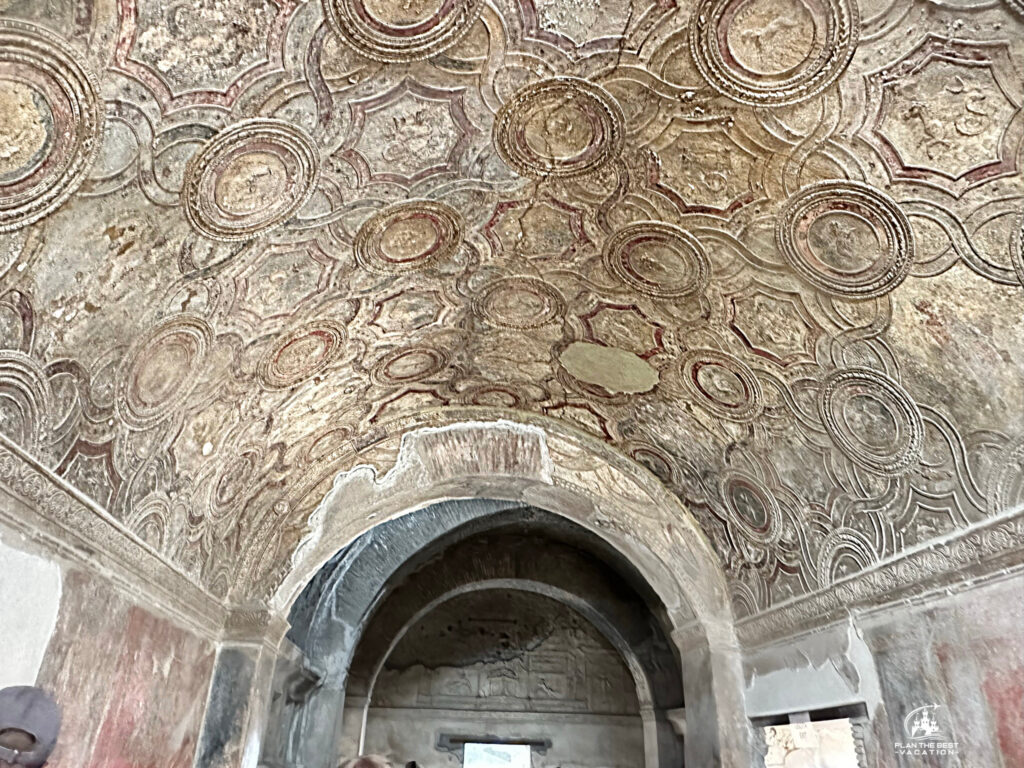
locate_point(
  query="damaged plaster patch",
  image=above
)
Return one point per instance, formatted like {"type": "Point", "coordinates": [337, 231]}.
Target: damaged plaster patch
{"type": "Point", "coordinates": [426, 458]}
{"type": "Point", "coordinates": [616, 370]}
{"type": "Point", "coordinates": [829, 668]}
{"type": "Point", "coordinates": [31, 589]}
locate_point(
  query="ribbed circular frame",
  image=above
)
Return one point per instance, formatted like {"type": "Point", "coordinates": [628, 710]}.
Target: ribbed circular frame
{"type": "Point", "coordinates": [902, 409]}
{"type": "Point", "coordinates": [509, 127]}
{"type": "Point", "coordinates": [615, 262]}
{"type": "Point", "coordinates": [202, 211]}
{"type": "Point", "coordinates": [842, 32]}
{"type": "Point", "coordinates": [846, 195]}
{"type": "Point", "coordinates": [33, 47]}
{"type": "Point", "coordinates": [368, 37]}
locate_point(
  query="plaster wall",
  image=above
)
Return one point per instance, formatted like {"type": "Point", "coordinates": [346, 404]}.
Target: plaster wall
{"type": "Point", "coordinates": [965, 654]}
{"type": "Point", "coordinates": [961, 652]}
{"type": "Point", "coordinates": [131, 684]}
{"type": "Point", "coordinates": [30, 586]}
{"type": "Point", "coordinates": [830, 668]}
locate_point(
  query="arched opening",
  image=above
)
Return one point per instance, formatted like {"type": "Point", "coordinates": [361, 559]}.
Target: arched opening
{"type": "Point", "coordinates": [500, 622]}
{"type": "Point", "coordinates": [500, 666]}
{"type": "Point", "coordinates": [539, 464]}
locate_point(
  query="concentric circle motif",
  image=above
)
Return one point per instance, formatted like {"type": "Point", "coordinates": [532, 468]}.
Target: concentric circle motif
{"type": "Point", "coordinates": [493, 396]}
{"type": "Point", "coordinates": [1017, 249]}
{"type": "Point", "coordinates": [655, 460]}
{"type": "Point", "coordinates": [752, 53]}
{"type": "Point", "coordinates": [401, 30]}
{"type": "Point", "coordinates": [302, 355]}
{"type": "Point", "coordinates": [846, 238]}
{"type": "Point", "coordinates": [26, 402]}
{"type": "Point", "coordinates": [519, 303]}
{"type": "Point", "coordinates": [844, 551]}
{"type": "Point", "coordinates": [744, 601]}
{"type": "Point", "coordinates": [563, 126]}
{"type": "Point", "coordinates": [658, 259]}
{"type": "Point", "coordinates": [872, 420]}
{"type": "Point", "coordinates": [51, 123]}
{"type": "Point", "coordinates": [753, 512]}
{"type": "Point", "coordinates": [409, 236]}
{"type": "Point", "coordinates": [233, 484]}
{"type": "Point", "coordinates": [249, 178]}
{"type": "Point", "coordinates": [409, 364]}
{"type": "Point", "coordinates": [723, 384]}
{"type": "Point", "coordinates": [163, 369]}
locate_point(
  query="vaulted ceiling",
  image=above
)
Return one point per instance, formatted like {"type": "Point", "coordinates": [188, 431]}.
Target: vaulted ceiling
{"type": "Point", "coordinates": [770, 249]}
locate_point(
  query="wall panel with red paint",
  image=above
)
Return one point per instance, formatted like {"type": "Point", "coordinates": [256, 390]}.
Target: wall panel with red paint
{"type": "Point", "coordinates": [964, 655]}
{"type": "Point", "coordinates": [132, 685]}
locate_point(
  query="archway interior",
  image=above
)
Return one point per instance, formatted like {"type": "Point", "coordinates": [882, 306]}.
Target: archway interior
{"type": "Point", "coordinates": [500, 666]}
{"type": "Point", "coordinates": [478, 622]}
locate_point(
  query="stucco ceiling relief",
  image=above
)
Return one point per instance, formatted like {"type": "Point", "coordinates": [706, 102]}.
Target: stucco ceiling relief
{"type": "Point", "coordinates": [772, 251]}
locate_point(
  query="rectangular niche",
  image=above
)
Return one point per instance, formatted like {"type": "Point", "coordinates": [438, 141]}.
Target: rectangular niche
{"type": "Point", "coordinates": [831, 738]}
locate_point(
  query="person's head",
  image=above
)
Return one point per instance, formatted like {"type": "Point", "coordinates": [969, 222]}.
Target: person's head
{"type": "Point", "coordinates": [29, 723]}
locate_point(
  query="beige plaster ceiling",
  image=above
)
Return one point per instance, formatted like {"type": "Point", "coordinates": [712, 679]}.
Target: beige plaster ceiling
{"type": "Point", "coordinates": [769, 249]}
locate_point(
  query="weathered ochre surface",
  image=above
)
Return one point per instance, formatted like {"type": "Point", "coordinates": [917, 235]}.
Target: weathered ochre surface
{"type": "Point", "coordinates": [243, 241]}
{"type": "Point", "coordinates": [132, 686]}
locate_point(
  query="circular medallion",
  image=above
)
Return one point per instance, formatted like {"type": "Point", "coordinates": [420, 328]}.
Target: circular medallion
{"type": "Point", "coordinates": [409, 364]}
{"type": "Point", "coordinates": [846, 238]}
{"type": "Point", "coordinates": [302, 355]}
{"type": "Point", "coordinates": [844, 551]}
{"type": "Point", "coordinates": [753, 512]}
{"type": "Point", "coordinates": [493, 396]}
{"type": "Point", "coordinates": [1006, 481]}
{"type": "Point", "coordinates": [234, 483]}
{"type": "Point", "coordinates": [723, 384]}
{"type": "Point", "coordinates": [51, 121]}
{"type": "Point", "coordinates": [657, 259]}
{"type": "Point", "coordinates": [656, 460]}
{"type": "Point", "coordinates": [163, 369]}
{"type": "Point", "coordinates": [408, 236]}
{"type": "Point", "coordinates": [519, 303]}
{"type": "Point", "coordinates": [27, 402]}
{"type": "Point", "coordinates": [757, 53]}
{"type": "Point", "coordinates": [401, 30]}
{"type": "Point", "coordinates": [563, 127]}
{"type": "Point", "coordinates": [249, 178]}
{"type": "Point", "coordinates": [872, 420]}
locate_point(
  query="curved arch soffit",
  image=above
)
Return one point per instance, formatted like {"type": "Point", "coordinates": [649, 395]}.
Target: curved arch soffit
{"type": "Point", "coordinates": [532, 460]}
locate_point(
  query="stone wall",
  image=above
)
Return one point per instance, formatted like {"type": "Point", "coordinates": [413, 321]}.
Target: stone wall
{"type": "Point", "coordinates": [503, 664]}
{"type": "Point", "coordinates": [959, 654]}
{"type": "Point", "coordinates": [132, 684]}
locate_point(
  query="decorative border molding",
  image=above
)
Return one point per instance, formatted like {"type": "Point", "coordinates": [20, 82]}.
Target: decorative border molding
{"type": "Point", "coordinates": [64, 521]}
{"type": "Point", "coordinates": [991, 546]}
